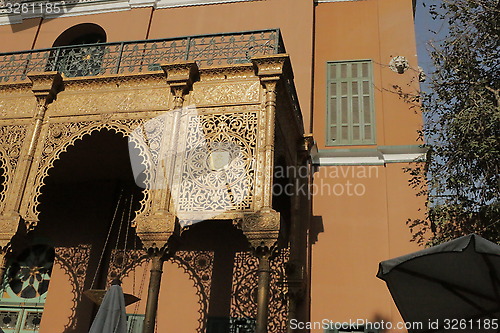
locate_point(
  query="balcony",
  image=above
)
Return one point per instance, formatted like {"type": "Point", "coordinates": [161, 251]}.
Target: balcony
{"type": "Point", "coordinates": [141, 56]}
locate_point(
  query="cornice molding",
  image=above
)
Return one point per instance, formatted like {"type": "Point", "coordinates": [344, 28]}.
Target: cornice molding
{"type": "Point", "coordinates": [89, 7]}
{"type": "Point", "coordinates": [371, 156]}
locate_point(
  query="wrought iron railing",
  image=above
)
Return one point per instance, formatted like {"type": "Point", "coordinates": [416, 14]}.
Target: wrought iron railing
{"type": "Point", "coordinates": [141, 56]}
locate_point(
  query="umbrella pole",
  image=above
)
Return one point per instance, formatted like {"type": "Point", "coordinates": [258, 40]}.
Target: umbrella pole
{"type": "Point", "coordinates": [153, 293]}
{"type": "Point", "coordinates": [264, 276]}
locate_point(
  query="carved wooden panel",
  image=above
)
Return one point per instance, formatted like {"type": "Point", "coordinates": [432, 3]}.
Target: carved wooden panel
{"type": "Point", "coordinates": [133, 94]}
{"type": "Point", "coordinates": [12, 138]}
{"type": "Point", "coordinates": [16, 101]}
{"type": "Point", "coordinates": [225, 93]}
{"type": "Point", "coordinates": [58, 137]}
{"type": "Point", "coordinates": [206, 187]}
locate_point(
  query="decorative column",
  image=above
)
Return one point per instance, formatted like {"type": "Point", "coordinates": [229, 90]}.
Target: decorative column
{"type": "Point", "coordinates": [263, 288]}
{"type": "Point", "coordinates": [262, 231]}
{"type": "Point", "coordinates": [45, 87]}
{"type": "Point", "coordinates": [159, 230]}
{"type": "Point", "coordinates": [262, 228]}
{"type": "Point", "coordinates": [157, 259]}
{"type": "Point", "coordinates": [180, 77]}
{"type": "Point", "coordinates": [160, 223]}
{"type": "Point", "coordinates": [269, 70]}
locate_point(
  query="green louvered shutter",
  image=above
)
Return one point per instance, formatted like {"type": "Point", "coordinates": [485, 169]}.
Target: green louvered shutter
{"type": "Point", "coordinates": [350, 114]}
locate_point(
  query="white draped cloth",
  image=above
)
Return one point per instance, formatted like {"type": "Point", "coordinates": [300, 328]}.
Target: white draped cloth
{"type": "Point", "coordinates": [111, 317]}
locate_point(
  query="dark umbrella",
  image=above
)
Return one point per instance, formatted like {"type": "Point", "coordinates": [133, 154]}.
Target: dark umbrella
{"type": "Point", "coordinates": [452, 287]}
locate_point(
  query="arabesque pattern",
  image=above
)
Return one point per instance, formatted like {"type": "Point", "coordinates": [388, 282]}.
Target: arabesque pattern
{"type": "Point", "coordinates": [218, 169]}
{"type": "Point", "coordinates": [62, 135]}
{"type": "Point", "coordinates": [11, 141]}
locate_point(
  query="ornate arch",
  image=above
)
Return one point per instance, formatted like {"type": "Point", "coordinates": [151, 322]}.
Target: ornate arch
{"type": "Point", "coordinates": [58, 138]}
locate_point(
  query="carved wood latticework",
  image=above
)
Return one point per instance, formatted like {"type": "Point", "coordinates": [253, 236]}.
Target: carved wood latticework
{"type": "Point", "coordinates": [206, 142]}
{"type": "Point", "coordinates": [11, 139]}
{"type": "Point", "coordinates": [225, 189]}
{"type": "Point", "coordinates": [58, 137]}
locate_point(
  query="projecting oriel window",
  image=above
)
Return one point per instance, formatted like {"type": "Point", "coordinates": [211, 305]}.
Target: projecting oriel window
{"type": "Point", "coordinates": [350, 114]}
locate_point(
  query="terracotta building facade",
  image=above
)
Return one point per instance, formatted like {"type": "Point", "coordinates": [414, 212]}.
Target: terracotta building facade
{"type": "Point", "coordinates": [237, 165]}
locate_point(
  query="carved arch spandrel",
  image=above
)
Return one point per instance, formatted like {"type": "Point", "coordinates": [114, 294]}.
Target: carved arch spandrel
{"type": "Point", "coordinates": [11, 141]}
{"type": "Point", "coordinates": [57, 138]}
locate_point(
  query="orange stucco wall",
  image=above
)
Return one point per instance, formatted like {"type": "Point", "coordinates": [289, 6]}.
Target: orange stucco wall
{"type": "Point", "coordinates": [364, 211]}
{"type": "Point", "coordinates": [18, 37]}
{"type": "Point", "coordinates": [376, 30]}
{"type": "Point", "coordinates": [137, 21]}
{"type": "Point", "coordinates": [365, 227]}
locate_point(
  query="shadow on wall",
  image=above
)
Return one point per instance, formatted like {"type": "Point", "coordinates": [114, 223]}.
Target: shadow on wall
{"type": "Point", "coordinates": [317, 227]}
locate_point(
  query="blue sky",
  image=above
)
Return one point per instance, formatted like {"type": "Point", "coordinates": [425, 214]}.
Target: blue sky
{"type": "Point", "coordinates": [424, 23]}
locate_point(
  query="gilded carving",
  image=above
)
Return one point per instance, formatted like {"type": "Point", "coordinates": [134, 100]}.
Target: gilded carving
{"type": "Point", "coordinates": [17, 106]}
{"type": "Point", "coordinates": [204, 187]}
{"type": "Point", "coordinates": [226, 93]}
{"type": "Point", "coordinates": [60, 136]}
{"type": "Point", "coordinates": [11, 141]}
{"type": "Point", "coordinates": [124, 100]}
{"type": "Point", "coordinates": [155, 229]}
{"type": "Point", "coordinates": [271, 65]}
{"type": "Point", "coordinates": [224, 155]}
{"type": "Point", "coordinates": [262, 229]}
{"type": "Point", "coordinates": [129, 81]}
{"type": "Point", "coordinates": [237, 72]}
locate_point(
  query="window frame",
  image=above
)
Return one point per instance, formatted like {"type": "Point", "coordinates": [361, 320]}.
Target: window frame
{"type": "Point", "coordinates": [329, 142]}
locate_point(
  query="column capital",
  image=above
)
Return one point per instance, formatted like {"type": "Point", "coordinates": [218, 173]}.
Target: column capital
{"type": "Point", "coordinates": [271, 68]}
{"type": "Point", "coordinates": [45, 86]}
{"type": "Point", "coordinates": [181, 76]}
{"type": "Point", "coordinates": [158, 232]}
{"type": "Point", "coordinates": [261, 230]}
